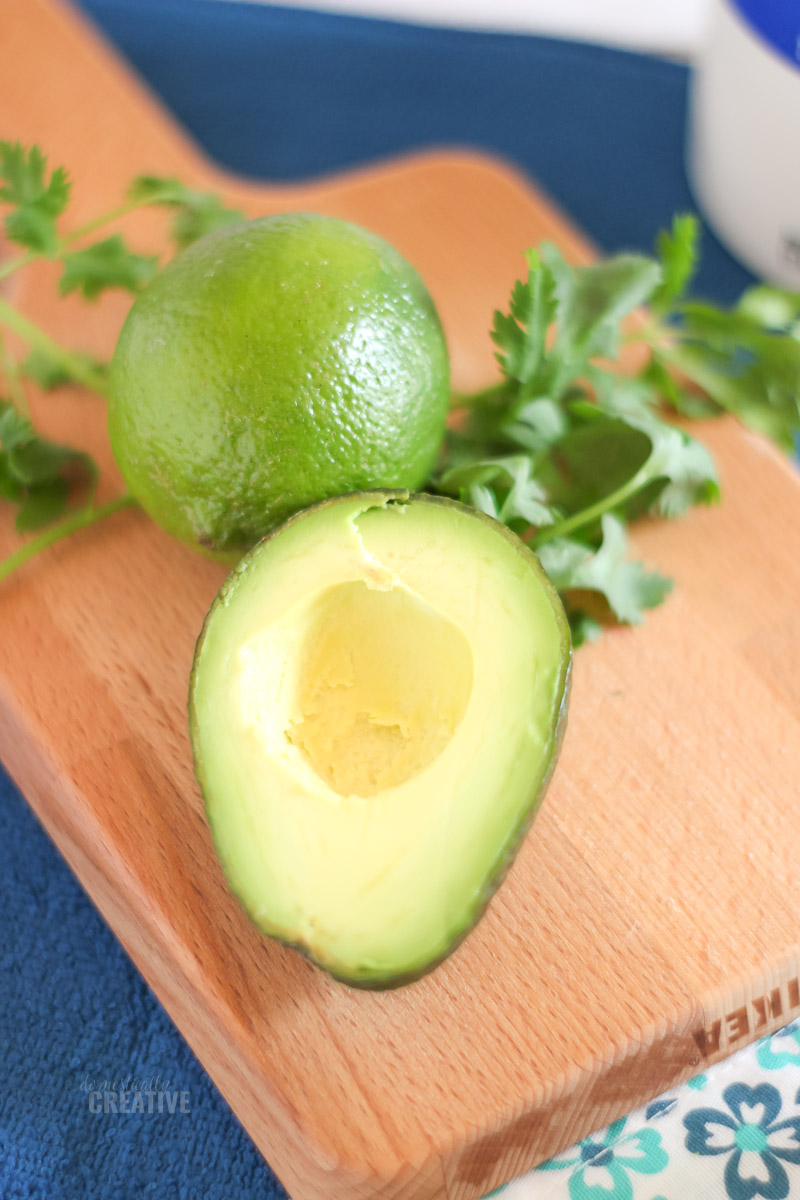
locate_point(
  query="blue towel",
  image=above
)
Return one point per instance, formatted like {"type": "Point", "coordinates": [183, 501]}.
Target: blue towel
{"type": "Point", "coordinates": [283, 94]}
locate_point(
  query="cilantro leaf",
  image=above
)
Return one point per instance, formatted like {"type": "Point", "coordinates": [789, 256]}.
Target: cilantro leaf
{"type": "Point", "coordinates": [585, 305]}
{"type": "Point", "coordinates": [36, 474]}
{"type": "Point", "coordinates": [674, 394]}
{"type": "Point", "coordinates": [592, 302]}
{"type": "Point", "coordinates": [197, 213]}
{"type": "Point", "coordinates": [773, 308]}
{"type": "Point", "coordinates": [42, 505]}
{"type": "Point", "coordinates": [746, 369]}
{"type": "Point", "coordinates": [158, 189]}
{"type": "Point", "coordinates": [681, 464]}
{"type": "Point", "coordinates": [49, 373]}
{"type": "Point", "coordinates": [678, 462]}
{"type": "Point", "coordinates": [37, 461]}
{"type": "Point", "coordinates": [206, 214]}
{"type": "Point", "coordinates": [502, 487]}
{"type": "Point", "coordinates": [592, 463]}
{"type": "Point", "coordinates": [678, 252]}
{"type": "Point", "coordinates": [520, 334]}
{"type": "Point", "coordinates": [630, 463]}
{"type": "Point", "coordinates": [106, 264]}
{"type": "Point", "coordinates": [583, 626]}
{"type": "Point", "coordinates": [14, 431]}
{"type": "Point", "coordinates": [627, 587]}
{"type": "Point", "coordinates": [536, 424]}
{"type": "Point", "coordinates": [621, 396]}
{"type": "Point", "coordinates": [37, 201]}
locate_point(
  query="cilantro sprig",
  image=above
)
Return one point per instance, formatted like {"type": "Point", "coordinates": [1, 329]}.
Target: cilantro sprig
{"type": "Point", "coordinates": [36, 199]}
{"type": "Point", "coordinates": [567, 449]}
{"type": "Point", "coordinates": [53, 486]}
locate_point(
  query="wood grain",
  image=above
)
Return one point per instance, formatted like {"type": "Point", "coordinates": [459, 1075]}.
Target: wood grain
{"type": "Point", "coordinates": [651, 923]}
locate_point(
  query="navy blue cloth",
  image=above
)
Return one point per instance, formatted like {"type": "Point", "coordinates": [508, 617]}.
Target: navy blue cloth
{"type": "Point", "coordinates": [285, 94]}
{"type": "Point", "coordinates": [75, 1013]}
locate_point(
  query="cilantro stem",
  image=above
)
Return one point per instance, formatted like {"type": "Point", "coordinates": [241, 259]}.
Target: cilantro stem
{"type": "Point", "coordinates": [16, 263]}
{"type": "Point", "coordinates": [13, 380]}
{"type": "Point", "coordinates": [77, 520]}
{"type": "Point", "coordinates": [70, 239]}
{"type": "Point", "coordinates": [708, 381]}
{"type": "Point", "coordinates": [75, 366]}
{"type": "Point", "coordinates": [115, 214]}
{"type": "Point", "coordinates": [587, 516]}
{"type": "Point", "coordinates": [666, 347]}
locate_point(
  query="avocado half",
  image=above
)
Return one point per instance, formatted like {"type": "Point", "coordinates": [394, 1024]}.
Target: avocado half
{"type": "Point", "coordinates": [376, 706]}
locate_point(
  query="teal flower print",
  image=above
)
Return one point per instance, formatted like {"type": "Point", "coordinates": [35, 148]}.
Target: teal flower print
{"type": "Point", "coordinates": [753, 1137]}
{"type": "Point", "coordinates": [659, 1108]}
{"type": "Point", "coordinates": [601, 1167]}
{"type": "Point", "coordinates": [780, 1050]}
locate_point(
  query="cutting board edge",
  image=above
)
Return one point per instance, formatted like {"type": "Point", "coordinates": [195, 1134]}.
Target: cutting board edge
{"type": "Point", "coordinates": [748, 1013]}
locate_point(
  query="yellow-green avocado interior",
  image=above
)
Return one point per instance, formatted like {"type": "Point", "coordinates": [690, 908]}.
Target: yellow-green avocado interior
{"type": "Point", "coordinates": [376, 704]}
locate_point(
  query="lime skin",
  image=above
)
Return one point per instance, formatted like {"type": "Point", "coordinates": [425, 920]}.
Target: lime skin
{"type": "Point", "coordinates": [274, 364]}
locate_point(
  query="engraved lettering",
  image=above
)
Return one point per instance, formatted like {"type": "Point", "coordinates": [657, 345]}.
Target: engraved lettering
{"type": "Point", "coordinates": [760, 1005]}
{"type": "Point", "coordinates": [738, 1024]}
{"type": "Point", "coordinates": [708, 1039]}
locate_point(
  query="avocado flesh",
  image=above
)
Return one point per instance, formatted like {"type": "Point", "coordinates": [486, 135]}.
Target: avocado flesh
{"type": "Point", "coordinates": [376, 706]}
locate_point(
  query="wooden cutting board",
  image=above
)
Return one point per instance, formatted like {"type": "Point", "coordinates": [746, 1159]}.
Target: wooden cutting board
{"type": "Point", "coordinates": [652, 921]}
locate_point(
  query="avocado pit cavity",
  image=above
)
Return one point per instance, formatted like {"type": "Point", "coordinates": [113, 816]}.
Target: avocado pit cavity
{"type": "Point", "coordinates": [383, 682]}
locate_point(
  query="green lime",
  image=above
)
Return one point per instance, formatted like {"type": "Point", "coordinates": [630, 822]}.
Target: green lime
{"type": "Point", "coordinates": [271, 365]}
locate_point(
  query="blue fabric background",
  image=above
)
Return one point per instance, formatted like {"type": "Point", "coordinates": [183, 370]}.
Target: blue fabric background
{"type": "Point", "coordinates": [284, 94]}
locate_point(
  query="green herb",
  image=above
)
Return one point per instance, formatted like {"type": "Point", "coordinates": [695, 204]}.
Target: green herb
{"type": "Point", "coordinates": [36, 200]}
{"type": "Point", "coordinates": [196, 213]}
{"type": "Point", "coordinates": [106, 264]}
{"type": "Point", "coordinates": [52, 485]}
{"type": "Point", "coordinates": [502, 487]}
{"type": "Point", "coordinates": [37, 475]}
{"type": "Point", "coordinates": [567, 449]}
{"type": "Point", "coordinates": [625, 588]}
{"type": "Point", "coordinates": [79, 519]}
{"type": "Point", "coordinates": [677, 251]}
{"type": "Point", "coordinates": [50, 373]}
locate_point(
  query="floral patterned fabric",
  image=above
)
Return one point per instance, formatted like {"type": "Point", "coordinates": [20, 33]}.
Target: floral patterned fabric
{"type": "Point", "coordinates": [732, 1133]}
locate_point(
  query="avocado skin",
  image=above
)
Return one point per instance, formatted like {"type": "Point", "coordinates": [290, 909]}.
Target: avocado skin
{"type": "Point", "coordinates": [369, 981]}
